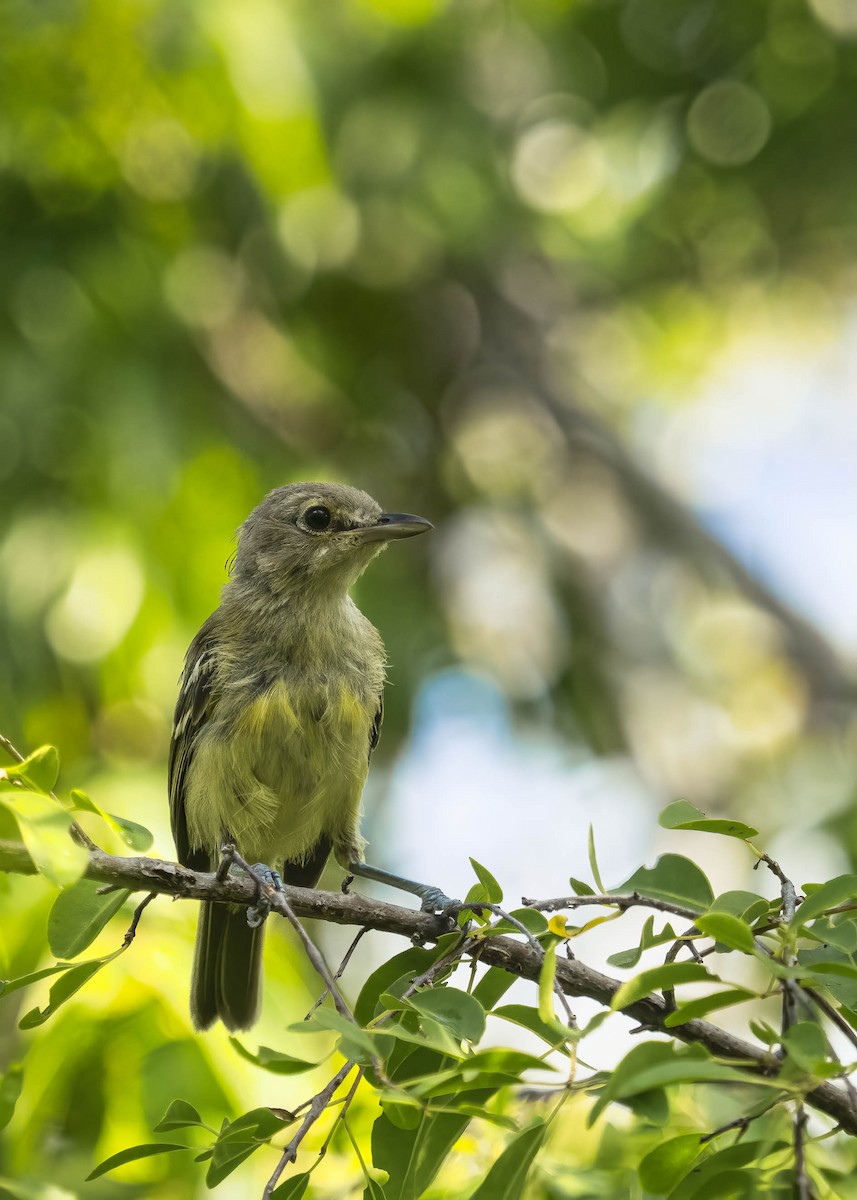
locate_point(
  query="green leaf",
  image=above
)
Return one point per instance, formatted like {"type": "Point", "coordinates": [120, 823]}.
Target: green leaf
{"type": "Point", "coordinates": [672, 878]}
{"type": "Point", "coordinates": [260, 1124]}
{"type": "Point", "coordinates": [133, 1154]}
{"type": "Point", "coordinates": [492, 893]}
{"type": "Point", "coordinates": [840, 932]}
{"type": "Point", "coordinates": [667, 976]}
{"type": "Point", "coordinates": [747, 905]}
{"type": "Point", "coordinates": [492, 987]}
{"type": "Point", "coordinates": [401, 968]}
{"type": "Point", "coordinates": [648, 939]}
{"type": "Point", "coordinates": [64, 988]}
{"type": "Point", "coordinates": [78, 915]}
{"type": "Point", "coordinates": [46, 832]}
{"type": "Point", "coordinates": [460, 1013]}
{"type": "Point", "coordinates": [529, 1018]}
{"type": "Point", "coordinates": [593, 863]}
{"type": "Point", "coordinates": [706, 1004]}
{"type": "Point", "coordinates": [725, 1173]}
{"type": "Point", "coordinates": [547, 980]}
{"type": "Point", "coordinates": [39, 770]}
{"type": "Point", "coordinates": [13, 985]}
{"type": "Point", "coordinates": [655, 1065]}
{"type": "Point", "coordinates": [828, 895]}
{"type": "Point", "coordinates": [508, 1176]}
{"type": "Point", "coordinates": [273, 1060]}
{"type": "Point", "coordinates": [728, 930]}
{"type": "Point", "coordinates": [425, 1032]}
{"type": "Point", "coordinates": [413, 1157]}
{"type": "Point", "coordinates": [363, 1045]}
{"type": "Point", "coordinates": [179, 1115]}
{"type": "Point", "coordinates": [682, 815]}
{"type": "Point", "coordinates": [807, 1046]}
{"type": "Point", "coordinates": [580, 888]}
{"type": "Point", "coordinates": [764, 1032]}
{"type": "Point", "coordinates": [532, 920]}
{"type": "Point", "coordinates": [10, 1090]}
{"type": "Point", "coordinates": [293, 1188]}
{"type": "Point", "coordinates": [663, 1167]}
{"type": "Point", "coordinates": [239, 1139]}
{"type": "Point", "coordinates": [133, 835]}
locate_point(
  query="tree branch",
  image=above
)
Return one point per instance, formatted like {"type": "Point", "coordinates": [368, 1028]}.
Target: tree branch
{"type": "Point", "coordinates": [575, 978]}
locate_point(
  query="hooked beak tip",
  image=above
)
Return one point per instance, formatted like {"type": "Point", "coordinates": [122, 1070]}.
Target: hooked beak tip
{"type": "Point", "coordinates": [392, 526]}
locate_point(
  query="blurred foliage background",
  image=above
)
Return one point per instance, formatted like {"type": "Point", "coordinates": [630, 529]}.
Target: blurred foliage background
{"type": "Point", "coordinates": [545, 271]}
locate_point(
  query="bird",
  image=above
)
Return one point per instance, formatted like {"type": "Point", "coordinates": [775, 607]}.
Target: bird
{"type": "Point", "coordinates": [279, 709]}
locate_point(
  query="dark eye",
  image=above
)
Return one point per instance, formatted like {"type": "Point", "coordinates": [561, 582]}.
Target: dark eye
{"type": "Point", "coordinates": [317, 517]}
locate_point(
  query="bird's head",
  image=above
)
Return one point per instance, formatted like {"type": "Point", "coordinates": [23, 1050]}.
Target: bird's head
{"type": "Point", "coordinates": [316, 538]}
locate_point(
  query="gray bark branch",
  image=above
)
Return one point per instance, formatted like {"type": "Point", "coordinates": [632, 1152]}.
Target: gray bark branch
{"type": "Point", "coordinates": [574, 977]}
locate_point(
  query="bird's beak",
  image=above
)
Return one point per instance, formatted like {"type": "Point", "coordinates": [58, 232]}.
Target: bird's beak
{"type": "Point", "coordinates": [394, 525]}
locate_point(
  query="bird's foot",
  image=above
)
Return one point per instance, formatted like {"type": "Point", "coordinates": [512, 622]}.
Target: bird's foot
{"type": "Point", "coordinates": [433, 900]}
{"type": "Point", "coordinates": [259, 911]}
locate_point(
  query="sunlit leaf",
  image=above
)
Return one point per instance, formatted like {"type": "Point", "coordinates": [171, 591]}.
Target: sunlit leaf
{"type": "Point", "coordinates": [39, 770]}
{"type": "Point", "coordinates": [655, 1065]}
{"type": "Point", "coordinates": [681, 815]}
{"type": "Point", "coordinates": [78, 915]}
{"type": "Point", "coordinates": [492, 893]}
{"type": "Point", "coordinates": [492, 987]}
{"type": "Point", "coordinates": [65, 987]}
{"type": "Point", "coordinates": [10, 1089]}
{"type": "Point", "coordinates": [662, 1168]}
{"type": "Point", "coordinates": [728, 930]}
{"type": "Point", "coordinates": [667, 976]}
{"type": "Point", "coordinates": [46, 832]}
{"type": "Point", "coordinates": [179, 1115]}
{"type": "Point", "coordinates": [529, 1018]}
{"type": "Point", "coordinates": [648, 939]}
{"type": "Point", "coordinates": [133, 1154]}
{"type": "Point", "coordinates": [580, 888]}
{"type": "Point", "coordinates": [707, 1004]}
{"type": "Point", "coordinates": [507, 1177]}
{"type": "Point", "coordinates": [828, 895]}
{"type": "Point", "coordinates": [593, 861]}
{"type": "Point", "coordinates": [131, 833]}
{"type": "Point", "coordinates": [293, 1188]}
{"type": "Point", "coordinates": [459, 1012]}
{"type": "Point", "coordinates": [672, 878]}
{"type": "Point", "coordinates": [272, 1060]}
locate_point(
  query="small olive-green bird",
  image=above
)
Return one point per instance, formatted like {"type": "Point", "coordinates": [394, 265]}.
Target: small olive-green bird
{"type": "Point", "coordinates": [279, 709]}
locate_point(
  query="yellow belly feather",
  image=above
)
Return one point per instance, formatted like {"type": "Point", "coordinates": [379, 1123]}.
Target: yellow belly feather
{"type": "Point", "coordinates": [290, 771]}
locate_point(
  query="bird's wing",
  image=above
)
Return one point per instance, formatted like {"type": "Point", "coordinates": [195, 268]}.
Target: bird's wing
{"type": "Point", "coordinates": [375, 731]}
{"type": "Point", "coordinates": [196, 702]}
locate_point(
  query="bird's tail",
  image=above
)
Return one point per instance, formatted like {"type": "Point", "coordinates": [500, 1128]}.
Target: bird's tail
{"type": "Point", "coordinates": [227, 968]}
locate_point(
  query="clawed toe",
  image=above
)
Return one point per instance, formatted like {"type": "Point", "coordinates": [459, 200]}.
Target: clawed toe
{"type": "Point", "coordinates": [258, 913]}
{"type": "Point", "coordinates": [435, 901]}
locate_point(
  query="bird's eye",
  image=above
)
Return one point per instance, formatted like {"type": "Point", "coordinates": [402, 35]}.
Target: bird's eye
{"type": "Point", "coordinates": [317, 517]}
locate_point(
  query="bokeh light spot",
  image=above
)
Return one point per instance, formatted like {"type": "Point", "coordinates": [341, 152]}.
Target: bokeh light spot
{"type": "Point", "coordinates": [728, 123]}
{"type": "Point", "coordinates": [557, 166]}
{"type": "Point", "coordinates": [99, 605]}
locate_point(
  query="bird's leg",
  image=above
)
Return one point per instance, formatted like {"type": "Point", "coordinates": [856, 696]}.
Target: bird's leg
{"type": "Point", "coordinates": [259, 911]}
{"type": "Point", "coordinates": [262, 875]}
{"type": "Point", "coordinates": [432, 898]}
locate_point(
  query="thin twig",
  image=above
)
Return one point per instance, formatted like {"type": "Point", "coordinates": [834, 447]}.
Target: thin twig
{"type": "Point", "coordinates": [802, 1184]}
{"type": "Point", "coordinates": [739, 1123]}
{"type": "Point", "coordinates": [279, 902]}
{"type": "Point", "coordinates": [340, 970]}
{"type": "Point", "coordinates": [317, 1106]}
{"type": "Point", "coordinates": [131, 932]}
{"type": "Point", "coordinates": [478, 906]}
{"type": "Point", "coordinates": [609, 899]}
